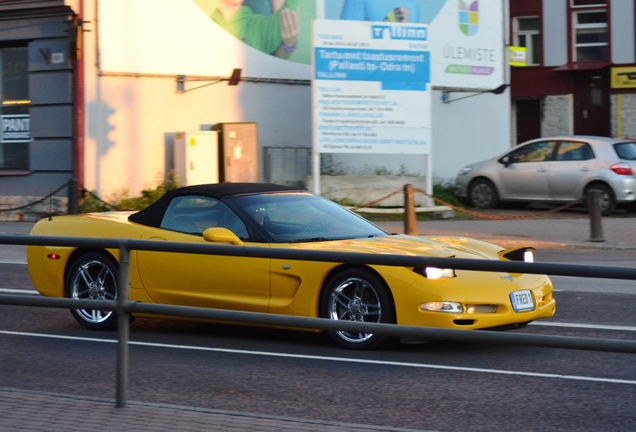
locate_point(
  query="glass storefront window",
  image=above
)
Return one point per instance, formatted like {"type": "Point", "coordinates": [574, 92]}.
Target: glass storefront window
{"type": "Point", "coordinates": [583, 3]}
{"type": "Point", "coordinates": [15, 120]}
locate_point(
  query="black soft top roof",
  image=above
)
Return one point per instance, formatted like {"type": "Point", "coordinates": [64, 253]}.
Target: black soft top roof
{"type": "Point", "coordinates": [153, 214]}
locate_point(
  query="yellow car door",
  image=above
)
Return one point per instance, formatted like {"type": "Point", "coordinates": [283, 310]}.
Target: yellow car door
{"type": "Point", "coordinates": [222, 282]}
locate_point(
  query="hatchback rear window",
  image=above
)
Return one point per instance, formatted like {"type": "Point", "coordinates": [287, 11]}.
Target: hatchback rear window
{"type": "Point", "coordinates": [626, 150]}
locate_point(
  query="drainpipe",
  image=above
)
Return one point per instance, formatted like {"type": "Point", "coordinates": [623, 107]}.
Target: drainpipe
{"type": "Point", "coordinates": [77, 179]}
{"type": "Point", "coordinates": [619, 115]}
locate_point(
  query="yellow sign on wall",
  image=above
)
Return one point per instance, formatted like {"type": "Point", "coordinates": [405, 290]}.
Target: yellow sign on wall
{"type": "Point", "coordinates": [623, 77]}
{"type": "Point", "coordinates": [518, 56]}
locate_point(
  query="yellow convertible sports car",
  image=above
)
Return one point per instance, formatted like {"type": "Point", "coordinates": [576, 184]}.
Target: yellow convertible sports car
{"type": "Point", "coordinates": [262, 215]}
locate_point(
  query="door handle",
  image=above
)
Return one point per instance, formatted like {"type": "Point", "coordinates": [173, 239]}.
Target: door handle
{"type": "Point", "coordinates": [542, 170]}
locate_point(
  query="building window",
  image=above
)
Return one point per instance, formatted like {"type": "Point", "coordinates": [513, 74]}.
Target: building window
{"type": "Point", "coordinates": [15, 121]}
{"type": "Point", "coordinates": [526, 34]}
{"type": "Point", "coordinates": [587, 3]}
{"type": "Point", "coordinates": [590, 35]}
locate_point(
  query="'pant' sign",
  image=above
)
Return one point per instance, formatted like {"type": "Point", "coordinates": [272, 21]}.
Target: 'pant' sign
{"type": "Point", "coordinates": [16, 128]}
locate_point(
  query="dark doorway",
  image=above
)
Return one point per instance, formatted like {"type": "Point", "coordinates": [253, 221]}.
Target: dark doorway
{"type": "Point", "coordinates": [528, 119]}
{"type": "Point", "coordinates": [591, 103]}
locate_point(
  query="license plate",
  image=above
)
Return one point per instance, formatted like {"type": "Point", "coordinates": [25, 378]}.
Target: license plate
{"type": "Point", "coordinates": [522, 300]}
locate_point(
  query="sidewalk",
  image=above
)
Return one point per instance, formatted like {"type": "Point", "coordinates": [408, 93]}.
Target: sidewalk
{"type": "Point", "coordinates": [28, 411]}
{"type": "Point", "coordinates": [39, 411]}
{"type": "Point", "coordinates": [556, 233]}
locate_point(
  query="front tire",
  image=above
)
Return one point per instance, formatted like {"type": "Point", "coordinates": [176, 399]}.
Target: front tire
{"type": "Point", "coordinates": [482, 194]}
{"type": "Point", "coordinates": [93, 276]}
{"type": "Point", "coordinates": [357, 295]}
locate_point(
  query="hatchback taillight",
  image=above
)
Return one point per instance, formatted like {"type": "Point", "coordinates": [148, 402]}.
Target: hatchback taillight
{"type": "Point", "coordinates": [622, 169]}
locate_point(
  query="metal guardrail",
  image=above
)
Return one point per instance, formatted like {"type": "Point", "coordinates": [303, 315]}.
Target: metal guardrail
{"type": "Point", "coordinates": [124, 307]}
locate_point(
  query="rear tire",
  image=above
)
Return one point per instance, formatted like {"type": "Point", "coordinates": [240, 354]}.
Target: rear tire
{"type": "Point", "coordinates": [357, 295]}
{"type": "Point", "coordinates": [482, 194]}
{"type": "Point", "coordinates": [93, 276]}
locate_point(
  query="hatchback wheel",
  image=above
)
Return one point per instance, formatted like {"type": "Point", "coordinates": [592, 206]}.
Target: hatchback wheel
{"type": "Point", "coordinates": [482, 194]}
{"type": "Point", "coordinates": [357, 295]}
{"type": "Point", "coordinates": [93, 276]}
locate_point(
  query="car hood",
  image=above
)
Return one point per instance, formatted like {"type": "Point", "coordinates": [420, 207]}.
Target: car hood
{"type": "Point", "coordinates": [483, 163]}
{"type": "Point", "coordinates": [443, 247]}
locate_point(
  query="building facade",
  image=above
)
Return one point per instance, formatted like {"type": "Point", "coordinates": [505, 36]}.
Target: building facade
{"type": "Point", "coordinates": [580, 76]}
{"type": "Point", "coordinates": [40, 97]}
{"type": "Point", "coordinates": [94, 92]}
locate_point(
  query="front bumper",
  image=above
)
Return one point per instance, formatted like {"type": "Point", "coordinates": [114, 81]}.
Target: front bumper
{"type": "Point", "coordinates": [476, 291]}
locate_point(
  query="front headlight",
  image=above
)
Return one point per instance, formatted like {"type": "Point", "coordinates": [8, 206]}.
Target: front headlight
{"type": "Point", "coordinates": [439, 273]}
{"type": "Point", "coordinates": [528, 256]}
{"type": "Point", "coordinates": [524, 253]}
{"type": "Point", "coordinates": [464, 170]}
{"type": "Point", "coordinates": [434, 272]}
{"type": "Point", "coordinates": [443, 306]}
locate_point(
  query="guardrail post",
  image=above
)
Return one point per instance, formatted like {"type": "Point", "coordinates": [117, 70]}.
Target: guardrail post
{"type": "Point", "coordinates": [410, 220]}
{"type": "Point", "coordinates": [123, 323]}
{"type": "Point", "coordinates": [594, 207]}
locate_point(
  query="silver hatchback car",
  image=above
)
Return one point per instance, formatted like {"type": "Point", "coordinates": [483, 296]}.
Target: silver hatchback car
{"type": "Point", "coordinates": [556, 169]}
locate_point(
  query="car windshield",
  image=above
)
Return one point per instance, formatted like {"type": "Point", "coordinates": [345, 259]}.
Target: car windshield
{"type": "Point", "coordinates": [626, 150]}
{"type": "Point", "coordinates": [303, 217]}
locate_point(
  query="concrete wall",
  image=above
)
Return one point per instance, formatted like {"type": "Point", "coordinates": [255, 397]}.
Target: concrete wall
{"type": "Point", "coordinates": [372, 191]}
{"type": "Point", "coordinates": [469, 130]}
{"type": "Point", "coordinates": [557, 116]}
{"type": "Point", "coordinates": [130, 119]}
{"type": "Point", "coordinates": [130, 122]}
{"type": "Point", "coordinates": [623, 115]}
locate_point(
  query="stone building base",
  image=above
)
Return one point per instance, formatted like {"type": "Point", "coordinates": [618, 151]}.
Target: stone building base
{"type": "Point", "coordinates": [28, 209]}
{"type": "Point", "coordinates": [360, 190]}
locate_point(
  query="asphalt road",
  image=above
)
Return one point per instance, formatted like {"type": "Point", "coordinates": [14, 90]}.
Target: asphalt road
{"type": "Point", "coordinates": [441, 386]}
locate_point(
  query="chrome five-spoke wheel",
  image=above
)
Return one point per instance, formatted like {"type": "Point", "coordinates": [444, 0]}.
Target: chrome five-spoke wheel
{"type": "Point", "coordinates": [357, 295]}
{"type": "Point", "coordinates": [93, 277]}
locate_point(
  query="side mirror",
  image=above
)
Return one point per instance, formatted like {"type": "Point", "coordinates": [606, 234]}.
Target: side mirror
{"type": "Point", "coordinates": [221, 235]}
{"type": "Point", "coordinates": [506, 161]}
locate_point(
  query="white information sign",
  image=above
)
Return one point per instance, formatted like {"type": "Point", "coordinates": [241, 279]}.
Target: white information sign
{"type": "Point", "coordinates": [371, 87]}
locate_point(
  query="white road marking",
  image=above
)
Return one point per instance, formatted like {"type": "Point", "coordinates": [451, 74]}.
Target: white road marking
{"type": "Point", "coordinates": [8, 261]}
{"type": "Point", "coordinates": [583, 326]}
{"type": "Point", "coordinates": [19, 291]}
{"type": "Point", "coordinates": [537, 323]}
{"type": "Point", "coordinates": [334, 359]}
